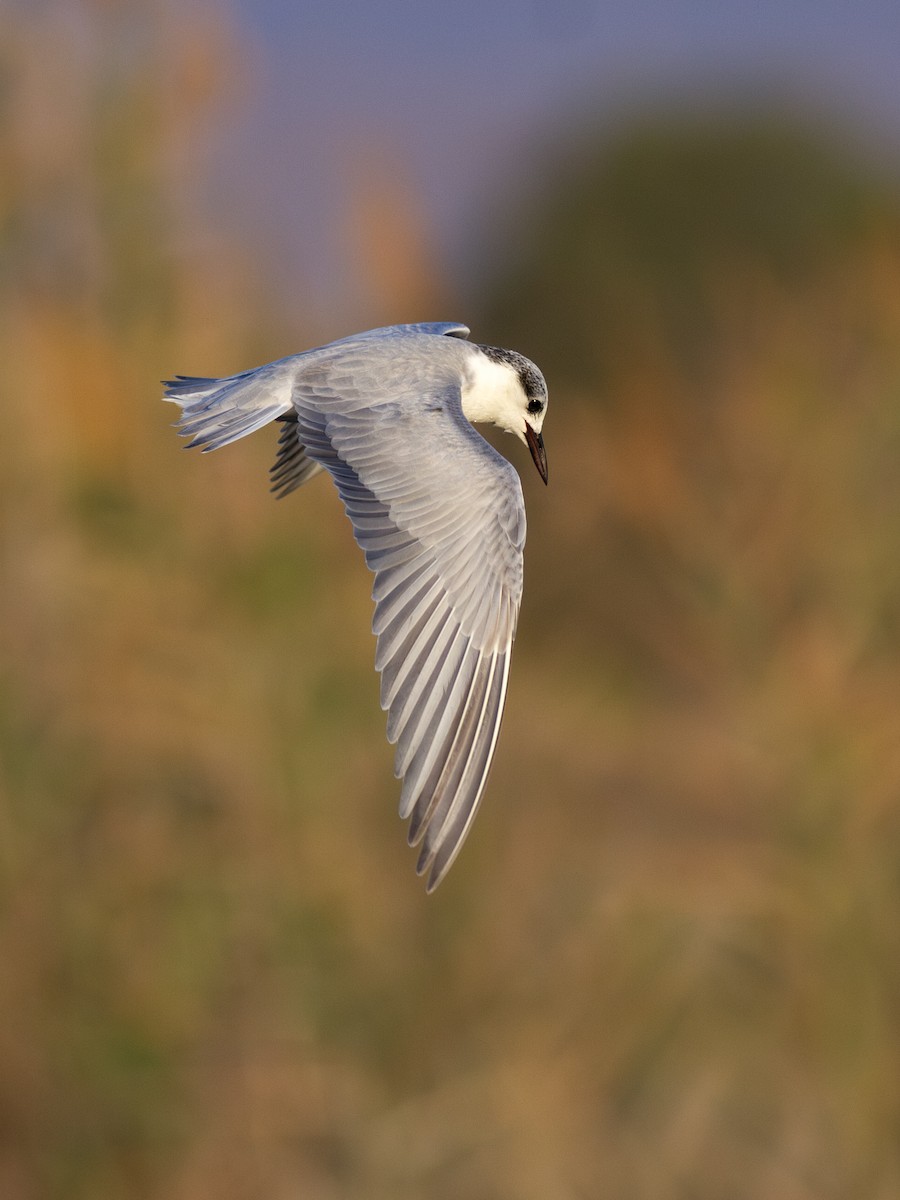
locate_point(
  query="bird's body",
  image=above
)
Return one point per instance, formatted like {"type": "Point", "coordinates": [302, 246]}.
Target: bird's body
{"type": "Point", "coordinates": [439, 515]}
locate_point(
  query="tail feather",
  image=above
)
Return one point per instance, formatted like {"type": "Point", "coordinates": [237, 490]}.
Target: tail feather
{"type": "Point", "coordinates": [215, 412]}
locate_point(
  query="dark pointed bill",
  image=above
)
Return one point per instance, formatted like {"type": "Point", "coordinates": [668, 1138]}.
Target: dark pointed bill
{"type": "Point", "coordinates": [538, 453]}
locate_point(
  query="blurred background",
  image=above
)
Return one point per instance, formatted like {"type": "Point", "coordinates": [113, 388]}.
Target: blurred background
{"type": "Point", "coordinates": [667, 963]}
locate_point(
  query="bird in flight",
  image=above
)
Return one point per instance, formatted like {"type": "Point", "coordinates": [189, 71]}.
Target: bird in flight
{"type": "Point", "coordinates": [439, 515]}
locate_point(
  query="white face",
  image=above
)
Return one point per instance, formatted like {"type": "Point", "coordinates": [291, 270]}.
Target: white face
{"type": "Point", "coordinates": [505, 389]}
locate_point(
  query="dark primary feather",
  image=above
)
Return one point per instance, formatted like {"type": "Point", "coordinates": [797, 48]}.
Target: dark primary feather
{"type": "Point", "coordinates": [292, 466]}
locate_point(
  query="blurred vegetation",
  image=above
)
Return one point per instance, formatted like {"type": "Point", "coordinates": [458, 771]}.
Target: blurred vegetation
{"type": "Point", "coordinates": [668, 962]}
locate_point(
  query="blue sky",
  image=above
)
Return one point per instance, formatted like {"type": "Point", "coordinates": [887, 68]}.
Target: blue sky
{"type": "Point", "coordinates": [466, 97]}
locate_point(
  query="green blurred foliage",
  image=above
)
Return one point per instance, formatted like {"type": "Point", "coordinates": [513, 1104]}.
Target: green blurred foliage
{"type": "Point", "coordinates": [648, 233]}
{"type": "Point", "coordinates": [667, 964]}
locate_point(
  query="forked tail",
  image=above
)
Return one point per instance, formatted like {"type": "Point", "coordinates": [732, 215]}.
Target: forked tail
{"type": "Point", "coordinates": [215, 412]}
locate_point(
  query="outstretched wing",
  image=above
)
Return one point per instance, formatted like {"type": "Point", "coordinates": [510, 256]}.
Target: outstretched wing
{"type": "Point", "coordinates": [441, 519]}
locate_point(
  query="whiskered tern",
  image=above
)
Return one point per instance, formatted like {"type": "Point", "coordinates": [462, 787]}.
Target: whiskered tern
{"type": "Point", "coordinates": [439, 515]}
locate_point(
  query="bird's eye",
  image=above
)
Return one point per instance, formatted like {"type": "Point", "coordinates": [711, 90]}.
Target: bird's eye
{"type": "Point", "coordinates": [535, 406]}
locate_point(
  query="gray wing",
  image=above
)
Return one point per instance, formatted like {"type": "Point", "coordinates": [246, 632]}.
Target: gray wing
{"type": "Point", "coordinates": [441, 519]}
{"type": "Point", "coordinates": [437, 328]}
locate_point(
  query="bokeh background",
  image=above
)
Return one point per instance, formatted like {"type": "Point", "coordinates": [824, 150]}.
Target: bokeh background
{"type": "Point", "coordinates": [667, 964]}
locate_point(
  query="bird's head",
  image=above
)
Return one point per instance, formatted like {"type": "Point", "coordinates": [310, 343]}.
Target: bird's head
{"type": "Point", "coordinates": [507, 390]}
